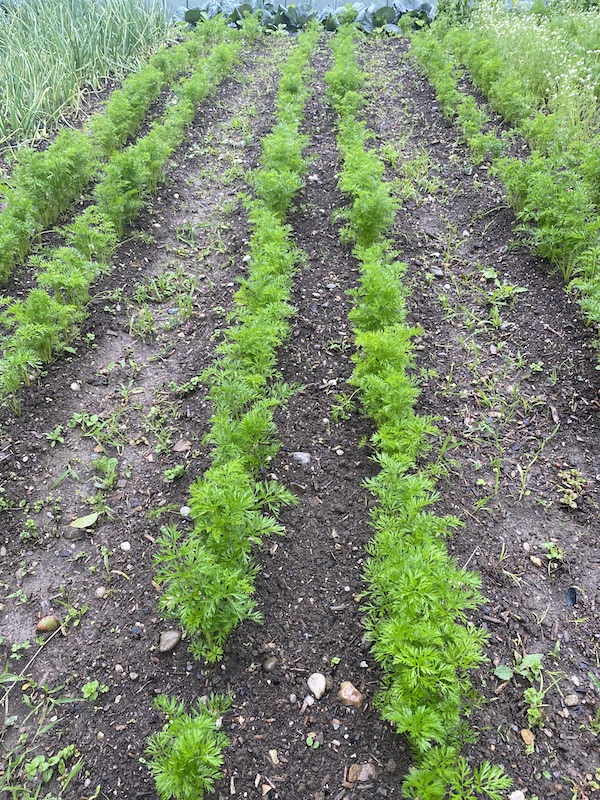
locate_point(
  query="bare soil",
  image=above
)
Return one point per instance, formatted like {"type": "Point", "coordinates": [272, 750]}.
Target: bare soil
{"type": "Point", "coordinates": [509, 375]}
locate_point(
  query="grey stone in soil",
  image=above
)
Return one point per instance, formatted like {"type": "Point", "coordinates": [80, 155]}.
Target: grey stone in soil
{"type": "Point", "coordinates": [571, 700]}
{"type": "Point", "coordinates": [73, 534]}
{"type": "Point", "coordinates": [302, 458]}
{"type": "Point", "coordinates": [168, 641]}
{"type": "Point", "coordinates": [438, 272]}
{"type": "Point", "coordinates": [269, 664]}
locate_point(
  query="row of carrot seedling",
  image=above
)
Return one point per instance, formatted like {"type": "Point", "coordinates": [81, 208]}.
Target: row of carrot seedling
{"type": "Point", "coordinates": [554, 190]}
{"type": "Point", "coordinates": [44, 183]}
{"type": "Point", "coordinates": [207, 574]}
{"type": "Point", "coordinates": [44, 323]}
{"type": "Point", "coordinates": [418, 598]}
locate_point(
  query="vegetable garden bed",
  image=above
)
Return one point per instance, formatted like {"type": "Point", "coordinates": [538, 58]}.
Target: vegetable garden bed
{"type": "Point", "coordinates": [497, 435]}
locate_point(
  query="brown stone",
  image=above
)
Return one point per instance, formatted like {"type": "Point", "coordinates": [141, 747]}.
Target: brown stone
{"type": "Point", "coordinates": [349, 695]}
{"type": "Point", "coordinates": [361, 773]}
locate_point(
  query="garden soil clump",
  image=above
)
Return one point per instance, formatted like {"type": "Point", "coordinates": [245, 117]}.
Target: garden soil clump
{"type": "Point", "coordinates": [505, 365]}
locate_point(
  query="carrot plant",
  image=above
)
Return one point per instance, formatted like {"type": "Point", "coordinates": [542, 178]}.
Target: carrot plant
{"type": "Point", "coordinates": [418, 598]}
{"type": "Point", "coordinates": [537, 73]}
{"type": "Point", "coordinates": [207, 575]}
{"type": "Point", "coordinates": [44, 183]}
{"type": "Point", "coordinates": [43, 324]}
{"type": "Point", "coordinates": [185, 757]}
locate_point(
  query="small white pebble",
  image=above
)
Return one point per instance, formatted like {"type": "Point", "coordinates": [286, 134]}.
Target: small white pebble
{"type": "Point", "coordinates": [133, 676]}
{"type": "Point", "coordinates": [185, 511]}
{"type": "Point", "coordinates": [100, 736]}
{"type": "Point", "coordinates": [100, 592]}
{"type": "Point", "coordinates": [125, 546]}
{"type": "Point", "coordinates": [339, 451]}
{"type": "Point", "coordinates": [76, 387]}
{"type": "Point", "coordinates": [118, 668]}
{"type": "Point", "coordinates": [309, 700]}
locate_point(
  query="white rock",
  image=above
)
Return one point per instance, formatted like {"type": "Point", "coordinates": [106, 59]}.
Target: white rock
{"type": "Point", "coordinates": [518, 795]}
{"type": "Point", "coordinates": [317, 683]}
{"type": "Point", "coordinates": [571, 700]}
{"type": "Point", "coordinates": [301, 458]}
{"type": "Point", "coordinates": [168, 641]}
{"type": "Point", "coordinates": [125, 546]}
{"type": "Point", "coordinates": [185, 511]}
{"type": "Point", "coordinates": [76, 387]}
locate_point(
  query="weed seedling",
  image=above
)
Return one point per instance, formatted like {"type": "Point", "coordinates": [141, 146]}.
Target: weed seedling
{"type": "Point", "coordinates": [92, 690]}
{"type": "Point", "coordinates": [343, 407]}
{"type": "Point", "coordinates": [173, 473]}
{"type": "Point", "coordinates": [107, 469]}
{"type": "Point", "coordinates": [571, 486]}
{"type": "Point", "coordinates": [56, 436]}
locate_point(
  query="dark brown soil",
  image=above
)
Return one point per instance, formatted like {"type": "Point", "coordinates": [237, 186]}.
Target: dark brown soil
{"type": "Point", "coordinates": [516, 394]}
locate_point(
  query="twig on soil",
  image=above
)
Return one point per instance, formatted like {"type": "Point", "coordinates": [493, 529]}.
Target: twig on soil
{"type": "Point", "coordinates": [468, 561]}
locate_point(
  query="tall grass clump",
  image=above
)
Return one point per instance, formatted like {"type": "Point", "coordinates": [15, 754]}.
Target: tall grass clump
{"type": "Point", "coordinates": [51, 51]}
{"type": "Point", "coordinates": [44, 322]}
{"type": "Point", "coordinates": [207, 575]}
{"type": "Point", "coordinates": [418, 598]}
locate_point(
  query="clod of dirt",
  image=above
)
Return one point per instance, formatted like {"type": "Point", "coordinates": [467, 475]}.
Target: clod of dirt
{"type": "Point", "coordinates": [527, 736]}
{"type": "Point", "coordinates": [349, 695]}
